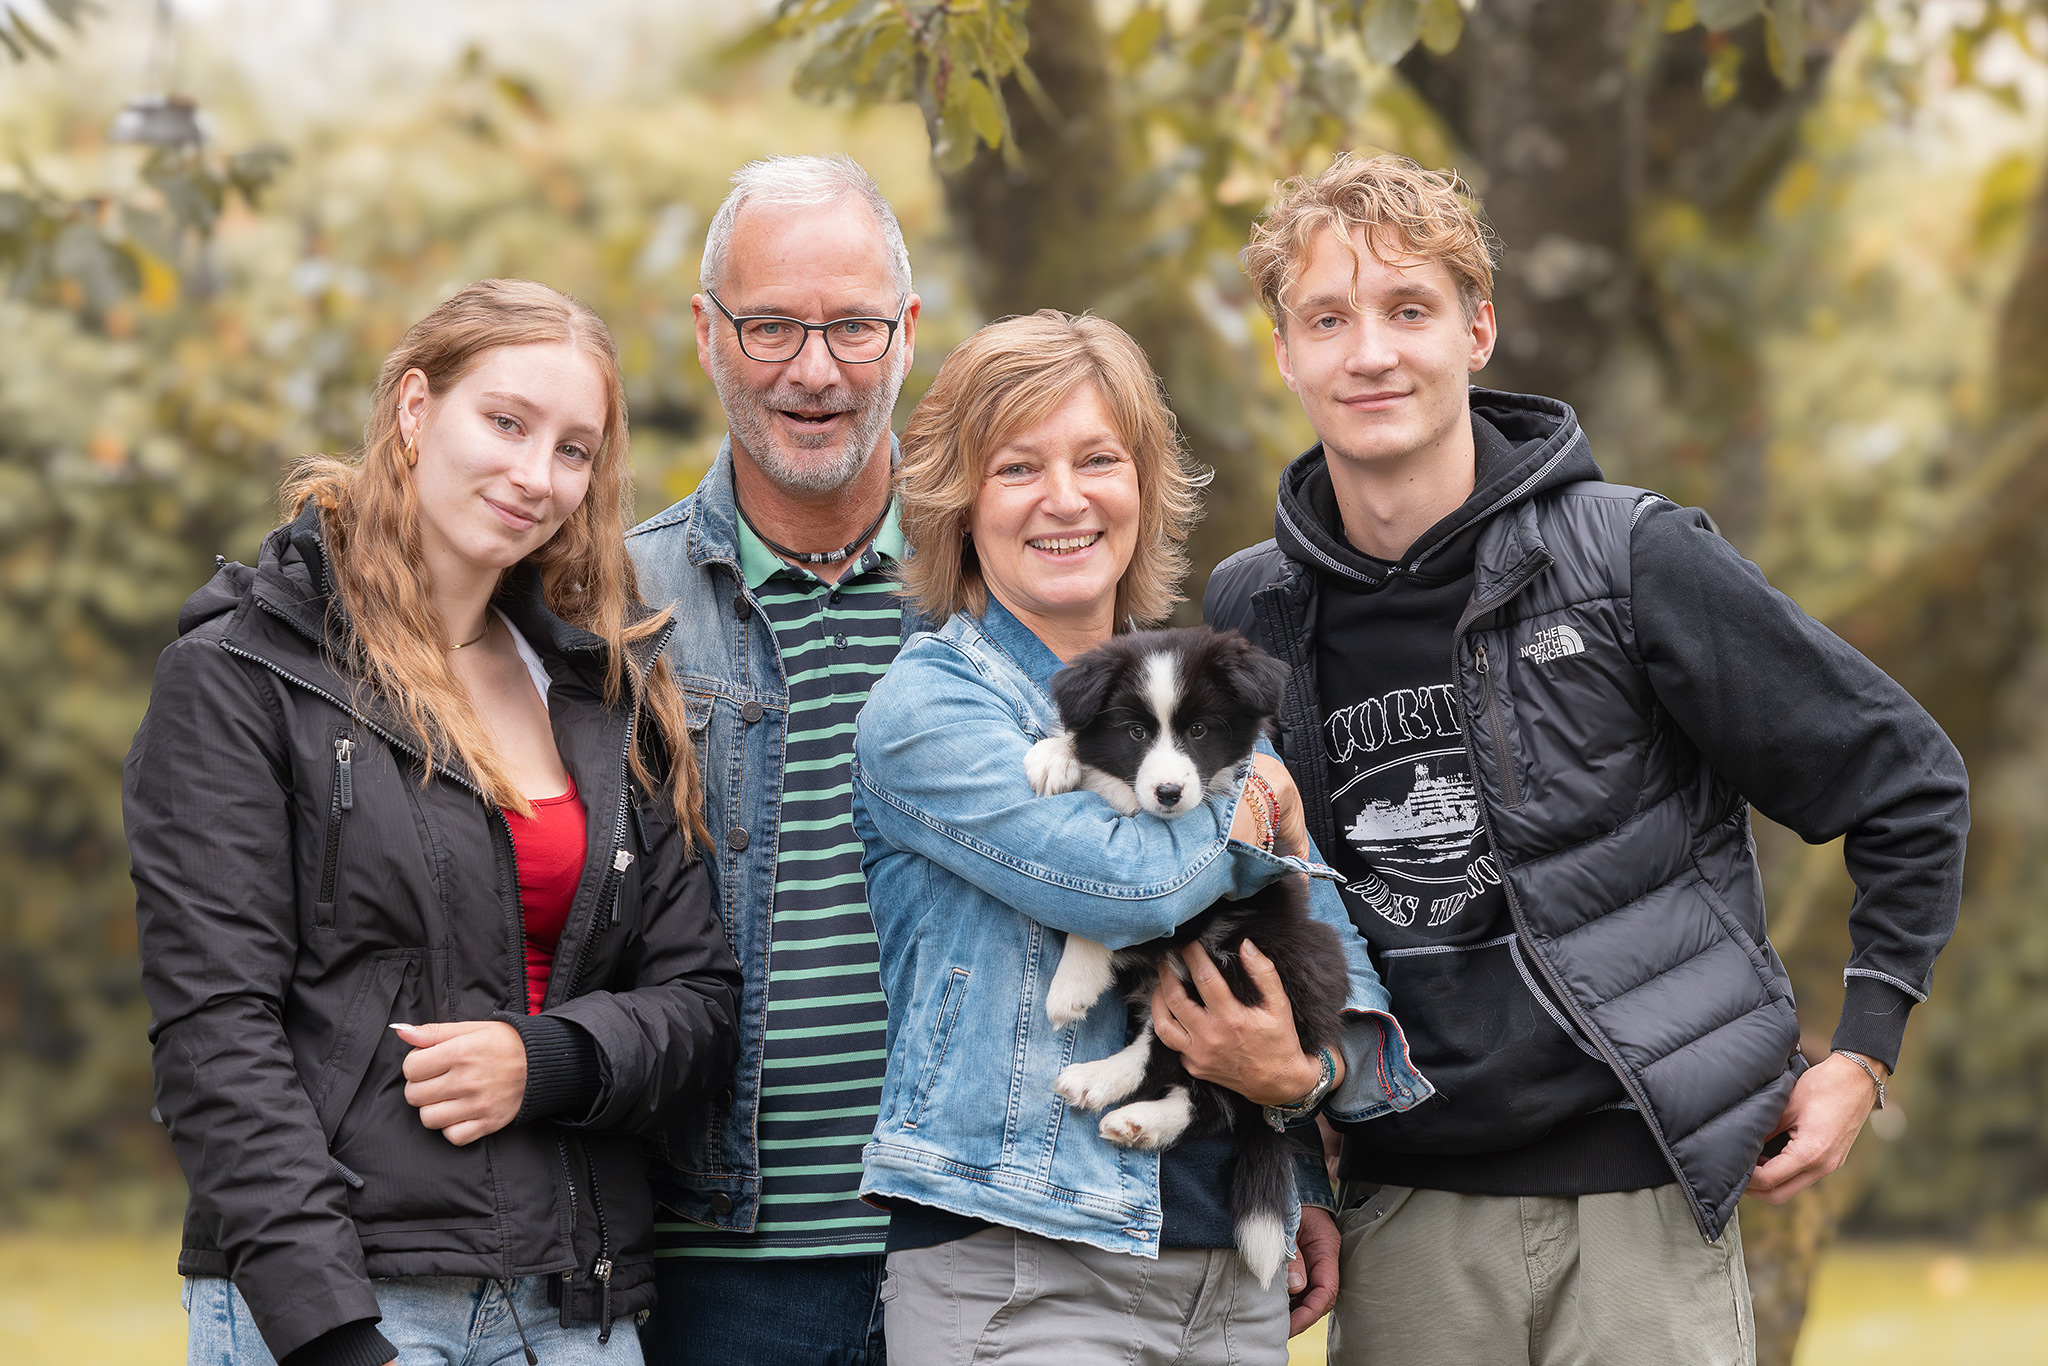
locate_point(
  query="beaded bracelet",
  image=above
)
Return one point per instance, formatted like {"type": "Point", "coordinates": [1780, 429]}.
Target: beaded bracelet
{"type": "Point", "coordinates": [1265, 810]}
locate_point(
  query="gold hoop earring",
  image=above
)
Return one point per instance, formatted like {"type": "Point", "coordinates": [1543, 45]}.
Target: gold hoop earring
{"type": "Point", "coordinates": [410, 450]}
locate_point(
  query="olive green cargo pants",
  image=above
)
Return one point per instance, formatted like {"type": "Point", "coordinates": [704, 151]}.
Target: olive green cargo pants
{"type": "Point", "coordinates": [1432, 1278]}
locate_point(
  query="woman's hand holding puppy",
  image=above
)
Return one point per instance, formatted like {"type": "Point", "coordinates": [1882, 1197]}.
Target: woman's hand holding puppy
{"type": "Point", "coordinates": [1252, 1050]}
{"type": "Point", "coordinates": [1291, 827]}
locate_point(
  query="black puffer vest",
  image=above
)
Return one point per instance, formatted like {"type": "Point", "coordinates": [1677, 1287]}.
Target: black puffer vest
{"type": "Point", "coordinates": [1627, 860]}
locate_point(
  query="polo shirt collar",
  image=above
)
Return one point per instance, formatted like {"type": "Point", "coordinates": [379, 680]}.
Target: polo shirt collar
{"type": "Point", "coordinates": [758, 563]}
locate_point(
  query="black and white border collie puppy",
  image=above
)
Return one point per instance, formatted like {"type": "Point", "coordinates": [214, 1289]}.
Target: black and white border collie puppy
{"type": "Point", "coordinates": [1154, 722]}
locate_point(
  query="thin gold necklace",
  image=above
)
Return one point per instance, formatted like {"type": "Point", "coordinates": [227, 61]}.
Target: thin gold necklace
{"type": "Point", "coordinates": [479, 636]}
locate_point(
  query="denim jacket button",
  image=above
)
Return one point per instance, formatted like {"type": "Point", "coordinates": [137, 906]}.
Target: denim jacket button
{"type": "Point", "coordinates": [721, 1203]}
{"type": "Point", "coordinates": [741, 608]}
{"type": "Point", "coordinates": [736, 839]}
{"type": "Point", "coordinates": [750, 712]}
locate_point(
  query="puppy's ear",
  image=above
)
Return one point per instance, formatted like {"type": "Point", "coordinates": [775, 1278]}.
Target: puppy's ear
{"type": "Point", "coordinates": [1082, 687]}
{"type": "Point", "coordinates": [1254, 675]}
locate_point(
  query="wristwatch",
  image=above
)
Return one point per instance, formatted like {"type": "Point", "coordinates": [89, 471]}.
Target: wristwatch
{"type": "Point", "coordinates": [1280, 1116]}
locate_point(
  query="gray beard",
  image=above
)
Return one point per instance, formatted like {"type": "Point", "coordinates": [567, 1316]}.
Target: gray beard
{"type": "Point", "coordinates": [750, 416]}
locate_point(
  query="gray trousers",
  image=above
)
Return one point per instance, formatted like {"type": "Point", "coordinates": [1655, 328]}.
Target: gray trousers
{"type": "Point", "coordinates": [1431, 1278]}
{"type": "Point", "coordinates": [1023, 1300]}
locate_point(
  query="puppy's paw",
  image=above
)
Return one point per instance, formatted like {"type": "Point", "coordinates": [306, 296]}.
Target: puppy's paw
{"type": "Point", "coordinates": [1149, 1124]}
{"type": "Point", "coordinates": [1052, 767]}
{"type": "Point", "coordinates": [1086, 969]}
{"type": "Point", "coordinates": [1093, 1085]}
{"type": "Point", "coordinates": [1068, 1000]}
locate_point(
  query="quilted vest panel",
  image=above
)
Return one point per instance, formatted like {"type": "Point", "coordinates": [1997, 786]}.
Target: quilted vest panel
{"type": "Point", "coordinates": [1628, 860]}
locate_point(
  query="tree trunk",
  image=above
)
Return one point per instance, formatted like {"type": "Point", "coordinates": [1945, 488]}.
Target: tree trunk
{"type": "Point", "coordinates": [1061, 230]}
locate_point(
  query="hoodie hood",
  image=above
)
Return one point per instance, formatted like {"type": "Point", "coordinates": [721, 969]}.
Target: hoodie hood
{"type": "Point", "coordinates": [1524, 444]}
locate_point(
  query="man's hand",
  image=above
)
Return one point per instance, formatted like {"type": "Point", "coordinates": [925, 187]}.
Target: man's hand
{"type": "Point", "coordinates": [1252, 1050]}
{"type": "Point", "coordinates": [467, 1078]}
{"type": "Point", "coordinates": [1312, 1275]}
{"type": "Point", "coordinates": [1824, 1114]}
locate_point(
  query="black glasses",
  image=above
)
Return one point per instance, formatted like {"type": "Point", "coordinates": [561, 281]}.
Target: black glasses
{"type": "Point", "coordinates": [851, 341]}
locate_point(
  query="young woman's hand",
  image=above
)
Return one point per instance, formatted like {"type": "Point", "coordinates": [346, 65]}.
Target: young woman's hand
{"type": "Point", "coordinates": [1290, 826]}
{"type": "Point", "coordinates": [466, 1078]}
{"type": "Point", "coordinates": [1252, 1050]}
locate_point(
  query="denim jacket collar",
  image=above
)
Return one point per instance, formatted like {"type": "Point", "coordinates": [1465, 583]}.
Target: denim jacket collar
{"type": "Point", "coordinates": [1000, 627]}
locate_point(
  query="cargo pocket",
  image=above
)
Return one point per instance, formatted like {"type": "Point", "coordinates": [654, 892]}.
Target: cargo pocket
{"type": "Point", "coordinates": [362, 1029]}
{"type": "Point", "coordinates": [935, 1054]}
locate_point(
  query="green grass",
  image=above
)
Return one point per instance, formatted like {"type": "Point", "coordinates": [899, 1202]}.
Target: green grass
{"type": "Point", "coordinates": [96, 1300]}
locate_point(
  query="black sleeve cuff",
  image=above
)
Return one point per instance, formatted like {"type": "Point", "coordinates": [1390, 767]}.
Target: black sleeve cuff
{"type": "Point", "coordinates": [352, 1344]}
{"type": "Point", "coordinates": [561, 1067]}
{"type": "Point", "coordinates": [1873, 1019]}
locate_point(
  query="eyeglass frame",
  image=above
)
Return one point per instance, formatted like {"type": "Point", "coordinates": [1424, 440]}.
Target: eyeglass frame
{"type": "Point", "coordinates": [820, 328]}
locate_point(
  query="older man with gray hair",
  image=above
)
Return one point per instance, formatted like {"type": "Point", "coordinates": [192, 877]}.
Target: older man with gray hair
{"type": "Point", "coordinates": [780, 569]}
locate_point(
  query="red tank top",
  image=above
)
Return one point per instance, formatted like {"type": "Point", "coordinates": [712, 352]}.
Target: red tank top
{"type": "Point", "coordinates": [549, 849]}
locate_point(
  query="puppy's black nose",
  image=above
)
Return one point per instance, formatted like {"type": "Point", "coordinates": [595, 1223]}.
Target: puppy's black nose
{"type": "Point", "coordinates": [1167, 793]}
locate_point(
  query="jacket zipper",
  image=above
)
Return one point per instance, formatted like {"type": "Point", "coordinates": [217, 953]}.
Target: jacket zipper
{"type": "Point", "coordinates": [569, 1180]}
{"type": "Point", "coordinates": [1528, 937]}
{"type": "Point", "coordinates": [342, 799]}
{"type": "Point", "coordinates": [1511, 786]}
{"type": "Point", "coordinates": [602, 1268]}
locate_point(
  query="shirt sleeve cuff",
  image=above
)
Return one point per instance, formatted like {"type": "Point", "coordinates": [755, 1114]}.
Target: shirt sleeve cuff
{"type": "Point", "coordinates": [1873, 1019]}
{"type": "Point", "coordinates": [1311, 1173]}
{"type": "Point", "coordinates": [561, 1067]}
{"type": "Point", "coordinates": [352, 1344]}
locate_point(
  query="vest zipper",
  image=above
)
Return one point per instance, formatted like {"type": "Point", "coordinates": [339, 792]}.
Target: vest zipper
{"type": "Point", "coordinates": [1511, 786]}
{"type": "Point", "coordinates": [1528, 938]}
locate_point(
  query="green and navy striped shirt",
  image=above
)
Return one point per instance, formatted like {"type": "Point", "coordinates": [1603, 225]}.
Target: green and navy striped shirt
{"type": "Point", "coordinates": [821, 1076]}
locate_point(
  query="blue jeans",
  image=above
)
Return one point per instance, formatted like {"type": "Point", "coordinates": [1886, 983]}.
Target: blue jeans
{"type": "Point", "coordinates": [432, 1320]}
{"type": "Point", "coordinates": [794, 1311]}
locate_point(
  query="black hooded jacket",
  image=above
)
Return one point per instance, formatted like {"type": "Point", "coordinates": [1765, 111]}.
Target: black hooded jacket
{"type": "Point", "coordinates": [299, 888]}
{"type": "Point", "coordinates": [1770, 707]}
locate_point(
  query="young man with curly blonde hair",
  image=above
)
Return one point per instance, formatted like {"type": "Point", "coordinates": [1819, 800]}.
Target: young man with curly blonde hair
{"type": "Point", "coordinates": [1530, 711]}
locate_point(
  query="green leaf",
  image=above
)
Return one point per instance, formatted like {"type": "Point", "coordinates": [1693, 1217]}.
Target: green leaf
{"type": "Point", "coordinates": [954, 140]}
{"type": "Point", "coordinates": [1141, 34]}
{"type": "Point", "coordinates": [984, 112]}
{"type": "Point", "coordinates": [1722, 15]}
{"type": "Point", "coordinates": [1443, 23]}
{"type": "Point", "coordinates": [1785, 40]}
{"type": "Point", "coordinates": [1722, 79]}
{"type": "Point", "coordinates": [1390, 28]}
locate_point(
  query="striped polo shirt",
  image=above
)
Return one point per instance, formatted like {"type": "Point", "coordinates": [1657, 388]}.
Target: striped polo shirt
{"type": "Point", "coordinates": [821, 1076]}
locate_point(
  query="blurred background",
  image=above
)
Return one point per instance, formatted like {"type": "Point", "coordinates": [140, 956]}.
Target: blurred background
{"type": "Point", "coordinates": [1788, 258]}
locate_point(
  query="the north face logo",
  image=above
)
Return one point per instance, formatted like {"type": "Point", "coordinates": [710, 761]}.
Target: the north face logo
{"type": "Point", "coordinates": [1555, 643]}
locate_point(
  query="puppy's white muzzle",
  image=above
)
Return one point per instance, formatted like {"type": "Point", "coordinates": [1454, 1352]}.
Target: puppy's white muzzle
{"type": "Point", "coordinates": [1168, 783]}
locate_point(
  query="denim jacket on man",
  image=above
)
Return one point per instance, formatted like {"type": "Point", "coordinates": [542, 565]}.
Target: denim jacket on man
{"type": "Point", "coordinates": [707, 1168]}
{"type": "Point", "coordinates": [972, 878]}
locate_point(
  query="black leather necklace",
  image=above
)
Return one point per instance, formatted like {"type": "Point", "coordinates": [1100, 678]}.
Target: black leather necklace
{"type": "Point", "coordinates": [818, 556]}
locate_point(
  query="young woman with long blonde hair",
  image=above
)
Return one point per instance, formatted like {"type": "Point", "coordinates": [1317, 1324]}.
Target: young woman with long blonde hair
{"type": "Point", "coordinates": [426, 941]}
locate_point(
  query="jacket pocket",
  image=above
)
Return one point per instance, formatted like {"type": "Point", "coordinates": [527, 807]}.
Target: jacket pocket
{"type": "Point", "coordinates": [935, 1053]}
{"type": "Point", "coordinates": [362, 1029]}
{"type": "Point", "coordinates": [341, 800]}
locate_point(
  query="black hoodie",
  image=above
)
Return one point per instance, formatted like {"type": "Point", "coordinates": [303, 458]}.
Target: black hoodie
{"type": "Point", "coordinates": [1522, 1107]}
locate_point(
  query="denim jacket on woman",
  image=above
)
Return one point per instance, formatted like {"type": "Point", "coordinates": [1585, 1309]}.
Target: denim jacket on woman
{"type": "Point", "coordinates": [974, 880]}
